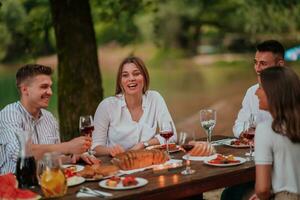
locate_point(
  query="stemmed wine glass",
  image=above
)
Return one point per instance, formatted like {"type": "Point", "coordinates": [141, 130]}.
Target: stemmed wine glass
{"type": "Point", "coordinates": [166, 131]}
{"type": "Point", "coordinates": [249, 133]}
{"type": "Point", "coordinates": [183, 142]}
{"type": "Point", "coordinates": [208, 121]}
{"type": "Point", "coordinates": [86, 127]}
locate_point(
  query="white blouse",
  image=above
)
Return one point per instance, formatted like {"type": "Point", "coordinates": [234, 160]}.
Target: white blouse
{"type": "Point", "coordinates": [114, 125]}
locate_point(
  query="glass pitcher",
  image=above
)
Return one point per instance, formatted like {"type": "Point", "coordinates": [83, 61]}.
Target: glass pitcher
{"type": "Point", "coordinates": [26, 165]}
{"type": "Point", "coordinates": [51, 177]}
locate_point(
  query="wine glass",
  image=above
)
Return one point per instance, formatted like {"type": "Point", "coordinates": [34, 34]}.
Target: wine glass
{"type": "Point", "coordinates": [208, 121]}
{"type": "Point", "coordinates": [249, 133]}
{"type": "Point", "coordinates": [86, 127]}
{"type": "Point", "coordinates": [183, 142]}
{"type": "Point", "coordinates": [166, 131]}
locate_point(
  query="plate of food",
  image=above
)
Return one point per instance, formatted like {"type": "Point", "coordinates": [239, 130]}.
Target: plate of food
{"type": "Point", "coordinates": [75, 180]}
{"type": "Point", "coordinates": [98, 172]}
{"type": "Point", "coordinates": [238, 143]}
{"type": "Point", "coordinates": [123, 183]}
{"type": "Point", "coordinates": [172, 147]}
{"type": "Point", "coordinates": [73, 168]}
{"type": "Point", "coordinates": [224, 161]}
{"type": "Point", "coordinates": [195, 158]}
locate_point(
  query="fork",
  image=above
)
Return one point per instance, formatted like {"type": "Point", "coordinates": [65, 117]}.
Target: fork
{"type": "Point", "coordinates": [97, 193]}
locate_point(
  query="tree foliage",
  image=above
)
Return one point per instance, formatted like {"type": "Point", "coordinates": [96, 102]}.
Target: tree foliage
{"type": "Point", "coordinates": [186, 24]}
{"type": "Point", "coordinates": [28, 25]}
{"type": "Point", "coordinates": [276, 16]}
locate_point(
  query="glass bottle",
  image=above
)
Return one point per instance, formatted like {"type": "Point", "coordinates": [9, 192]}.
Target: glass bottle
{"type": "Point", "coordinates": [51, 177]}
{"type": "Point", "coordinates": [26, 165]}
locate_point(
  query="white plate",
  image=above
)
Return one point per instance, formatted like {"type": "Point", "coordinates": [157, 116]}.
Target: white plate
{"type": "Point", "coordinates": [228, 143]}
{"type": "Point", "coordinates": [75, 180]}
{"type": "Point", "coordinates": [141, 182]}
{"type": "Point", "coordinates": [196, 158]}
{"type": "Point", "coordinates": [159, 145]}
{"type": "Point", "coordinates": [206, 161]}
{"type": "Point", "coordinates": [104, 177]}
{"type": "Point", "coordinates": [78, 167]}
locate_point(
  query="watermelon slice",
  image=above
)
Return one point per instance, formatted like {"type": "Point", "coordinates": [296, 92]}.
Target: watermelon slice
{"type": "Point", "coordinates": [9, 189]}
{"type": "Point", "coordinates": [8, 180]}
{"type": "Point", "coordinates": [26, 194]}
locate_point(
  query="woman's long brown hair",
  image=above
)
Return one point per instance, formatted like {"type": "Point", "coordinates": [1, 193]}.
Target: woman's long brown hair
{"type": "Point", "coordinates": [282, 88]}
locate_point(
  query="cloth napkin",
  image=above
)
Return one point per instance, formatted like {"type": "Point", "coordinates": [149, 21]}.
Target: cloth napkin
{"type": "Point", "coordinates": [92, 193]}
{"type": "Point", "coordinates": [248, 154]}
{"type": "Point", "coordinates": [221, 142]}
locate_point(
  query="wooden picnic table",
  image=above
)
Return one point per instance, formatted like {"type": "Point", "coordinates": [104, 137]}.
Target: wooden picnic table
{"type": "Point", "coordinates": [173, 185]}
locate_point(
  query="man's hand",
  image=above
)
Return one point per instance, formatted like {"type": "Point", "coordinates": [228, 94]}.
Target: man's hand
{"type": "Point", "coordinates": [79, 145]}
{"type": "Point", "coordinates": [254, 197]}
{"type": "Point", "coordinates": [89, 159]}
{"type": "Point", "coordinates": [113, 151]}
{"type": "Point", "coordinates": [138, 146]}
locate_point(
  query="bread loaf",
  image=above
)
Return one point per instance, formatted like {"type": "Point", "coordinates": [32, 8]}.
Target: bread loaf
{"type": "Point", "coordinates": [139, 159]}
{"type": "Point", "coordinates": [98, 171]}
{"type": "Point", "coordinates": [202, 149]}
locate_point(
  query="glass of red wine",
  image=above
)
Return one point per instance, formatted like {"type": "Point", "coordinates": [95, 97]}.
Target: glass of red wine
{"type": "Point", "coordinates": [86, 127]}
{"type": "Point", "coordinates": [249, 133]}
{"type": "Point", "coordinates": [166, 131]}
{"type": "Point", "coordinates": [183, 142]}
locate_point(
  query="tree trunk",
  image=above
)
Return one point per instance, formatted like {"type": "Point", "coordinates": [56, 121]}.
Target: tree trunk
{"type": "Point", "coordinates": [79, 79]}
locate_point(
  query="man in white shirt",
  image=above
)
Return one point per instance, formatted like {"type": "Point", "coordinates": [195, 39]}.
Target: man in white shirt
{"type": "Point", "coordinates": [268, 53]}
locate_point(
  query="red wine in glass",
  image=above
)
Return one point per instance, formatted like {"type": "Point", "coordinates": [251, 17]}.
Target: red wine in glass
{"type": "Point", "coordinates": [249, 134]}
{"type": "Point", "coordinates": [86, 127]}
{"type": "Point", "coordinates": [87, 131]}
{"type": "Point", "coordinates": [166, 134]}
{"type": "Point", "coordinates": [187, 147]}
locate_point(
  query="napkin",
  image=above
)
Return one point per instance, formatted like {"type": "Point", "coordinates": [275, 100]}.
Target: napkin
{"type": "Point", "coordinates": [82, 195]}
{"type": "Point", "coordinates": [221, 142]}
{"type": "Point", "coordinates": [92, 193]}
{"type": "Point", "coordinates": [135, 170]}
{"type": "Point", "coordinates": [248, 154]}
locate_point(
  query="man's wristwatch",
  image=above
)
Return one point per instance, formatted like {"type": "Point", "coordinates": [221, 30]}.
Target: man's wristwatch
{"type": "Point", "coordinates": [146, 144]}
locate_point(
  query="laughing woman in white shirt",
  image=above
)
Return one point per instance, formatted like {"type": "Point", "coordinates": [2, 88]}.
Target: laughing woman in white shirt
{"type": "Point", "coordinates": [277, 142]}
{"type": "Point", "coordinates": [128, 120]}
